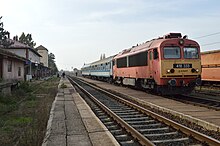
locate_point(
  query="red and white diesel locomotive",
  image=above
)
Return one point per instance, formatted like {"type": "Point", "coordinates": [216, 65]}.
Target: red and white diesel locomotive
{"type": "Point", "coordinates": [169, 65]}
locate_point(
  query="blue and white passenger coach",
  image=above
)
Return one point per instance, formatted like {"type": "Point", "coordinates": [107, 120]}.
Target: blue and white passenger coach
{"type": "Point", "coordinates": [101, 69]}
{"type": "Point", "coordinates": [85, 70]}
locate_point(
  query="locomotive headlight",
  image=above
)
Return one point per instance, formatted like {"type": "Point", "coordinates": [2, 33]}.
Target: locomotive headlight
{"type": "Point", "coordinates": [197, 70]}
{"type": "Point", "coordinates": [170, 70]}
{"type": "Point", "coordinates": [181, 42]}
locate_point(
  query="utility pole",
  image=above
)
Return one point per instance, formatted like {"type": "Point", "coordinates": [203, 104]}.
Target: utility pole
{"type": "Point", "coordinates": [30, 76]}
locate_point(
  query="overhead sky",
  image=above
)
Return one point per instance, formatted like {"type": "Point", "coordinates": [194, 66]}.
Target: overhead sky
{"type": "Point", "coordinates": [79, 31]}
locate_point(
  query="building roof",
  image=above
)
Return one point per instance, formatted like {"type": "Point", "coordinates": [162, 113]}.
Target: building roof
{"type": "Point", "coordinates": [10, 54]}
{"type": "Point", "coordinates": [41, 48]}
{"type": "Point", "coordinates": [19, 45]}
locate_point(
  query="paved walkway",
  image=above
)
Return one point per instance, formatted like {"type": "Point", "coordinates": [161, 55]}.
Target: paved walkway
{"type": "Point", "coordinates": [72, 123]}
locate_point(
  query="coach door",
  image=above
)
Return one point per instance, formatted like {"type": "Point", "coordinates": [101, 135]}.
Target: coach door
{"type": "Point", "coordinates": [150, 54]}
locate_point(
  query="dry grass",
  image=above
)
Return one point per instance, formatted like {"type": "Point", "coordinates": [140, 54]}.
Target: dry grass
{"type": "Point", "coordinates": [24, 115]}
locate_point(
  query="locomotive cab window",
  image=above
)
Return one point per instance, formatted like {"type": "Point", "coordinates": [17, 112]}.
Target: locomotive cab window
{"type": "Point", "coordinates": [171, 52]}
{"type": "Point", "coordinates": [190, 53]}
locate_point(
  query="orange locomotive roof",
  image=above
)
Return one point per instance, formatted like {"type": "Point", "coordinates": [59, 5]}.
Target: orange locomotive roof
{"type": "Point", "coordinates": [152, 44]}
{"type": "Point", "coordinates": [140, 48]}
{"type": "Point", "coordinates": [148, 44]}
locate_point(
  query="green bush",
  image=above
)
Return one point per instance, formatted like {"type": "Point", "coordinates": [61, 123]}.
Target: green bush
{"type": "Point", "coordinates": [23, 89]}
{"type": "Point", "coordinates": [26, 87]}
{"type": "Point", "coordinates": [63, 86]}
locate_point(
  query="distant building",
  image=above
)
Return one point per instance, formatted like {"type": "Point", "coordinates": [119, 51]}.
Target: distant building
{"type": "Point", "coordinates": [32, 67]}
{"type": "Point", "coordinates": [44, 53]}
{"type": "Point", "coordinates": [31, 55]}
{"type": "Point", "coordinates": [11, 67]}
{"type": "Point", "coordinates": [76, 72]}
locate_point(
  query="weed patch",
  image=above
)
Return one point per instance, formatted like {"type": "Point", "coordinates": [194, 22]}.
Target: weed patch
{"type": "Point", "coordinates": [19, 121]}
{"type": "Point", "coordinates": [63, 86]}
{"type": "Point", "coordinates": [24, 114]}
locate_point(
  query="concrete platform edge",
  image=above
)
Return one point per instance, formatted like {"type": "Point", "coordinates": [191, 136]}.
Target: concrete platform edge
{"type": "Point", "coordinates": [49, 123]}
{"type": "Point", "coordinates": [207, 125]}
{"type": "Point", "coordinates": [105, 131]}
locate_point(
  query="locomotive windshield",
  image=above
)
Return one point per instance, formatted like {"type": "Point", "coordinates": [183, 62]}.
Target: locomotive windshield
{"type": "Point", "coordinates": [171, 52]}
{"type": "Point", "coordinates": [190, 52]}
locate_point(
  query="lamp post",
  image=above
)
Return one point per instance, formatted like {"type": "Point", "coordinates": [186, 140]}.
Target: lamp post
{"type": "Point", "coordinates": [37, 73]}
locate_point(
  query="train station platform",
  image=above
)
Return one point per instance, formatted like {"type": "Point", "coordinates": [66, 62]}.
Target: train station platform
{"type": "Point", "coordinates": [72, 122]}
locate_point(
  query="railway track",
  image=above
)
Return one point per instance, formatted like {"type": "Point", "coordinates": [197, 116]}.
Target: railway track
{"type": "Point", "coordinates": [200, 100]}
{"type": "Point", "coordinates": [208, 90]}
{"type": "Point", "coordinates": [134, 125]}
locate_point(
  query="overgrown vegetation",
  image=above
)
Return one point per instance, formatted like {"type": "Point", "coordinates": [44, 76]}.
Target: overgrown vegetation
{"type": "Point", "coordinates": [51, 63]}
{"type": "Point", "coordinates": [24, 114]}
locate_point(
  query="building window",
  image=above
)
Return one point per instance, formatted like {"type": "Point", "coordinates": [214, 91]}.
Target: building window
{"type": "Point", "coordinates": [19, 71]}
{"type": "Point", "coordinates": [9, 66]}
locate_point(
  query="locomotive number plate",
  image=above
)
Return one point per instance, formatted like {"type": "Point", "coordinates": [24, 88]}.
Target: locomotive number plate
{"type": "Point", "coordinates": [182, 65]}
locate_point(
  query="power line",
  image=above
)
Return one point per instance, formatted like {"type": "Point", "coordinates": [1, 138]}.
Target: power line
{"type": "Point", "coordinates": [207, 35]}
{"type": "Point", "coordinates": [211, 44]}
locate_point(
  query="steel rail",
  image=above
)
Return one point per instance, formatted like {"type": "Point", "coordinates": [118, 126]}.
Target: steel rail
{"type": "Point", "coordinates": [141, 139]}
{"type": "Point", "coordinates": [207, 102]}
{"type": "Point", "coordinates": [190, 132]}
